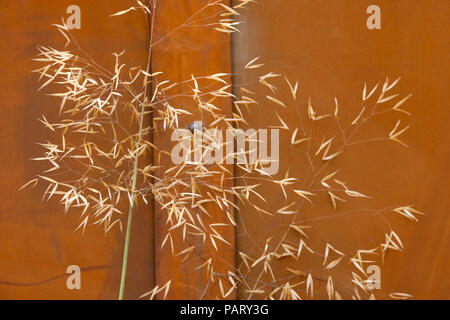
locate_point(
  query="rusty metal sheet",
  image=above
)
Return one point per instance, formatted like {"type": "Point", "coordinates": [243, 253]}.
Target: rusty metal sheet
{"type": "Point", "coordinates": [326, 45]}
{"type": "Point", "coordinates": [38, 241]}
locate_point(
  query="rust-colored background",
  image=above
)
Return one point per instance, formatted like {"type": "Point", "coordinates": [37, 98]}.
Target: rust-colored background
{"type": "Point", "coordinates": [324, 44]}
{"type": "Point", "coordinates": [37, 240]}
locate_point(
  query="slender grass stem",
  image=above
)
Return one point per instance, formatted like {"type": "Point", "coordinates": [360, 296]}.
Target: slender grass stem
{"type": "Point", "coordinates": [135, 166]}
{"type": "Point", "coordinates": [130, 211]}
